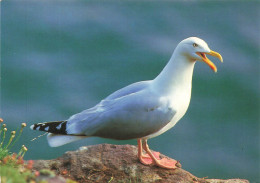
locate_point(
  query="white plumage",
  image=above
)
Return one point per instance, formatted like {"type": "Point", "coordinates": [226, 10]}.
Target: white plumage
{"type": "Point", "coordinates": [141, 110]}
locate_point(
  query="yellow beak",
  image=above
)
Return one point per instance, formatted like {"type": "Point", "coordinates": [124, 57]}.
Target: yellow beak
{"type": "Point", "coordinates": [207, 61]}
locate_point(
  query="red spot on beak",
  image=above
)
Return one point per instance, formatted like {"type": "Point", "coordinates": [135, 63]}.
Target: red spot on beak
{"type": "Point", "coordinates": [203, 55]}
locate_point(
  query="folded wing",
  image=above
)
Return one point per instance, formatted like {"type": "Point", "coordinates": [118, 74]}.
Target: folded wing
{"type": "Point", "coordinates": [130, 116]}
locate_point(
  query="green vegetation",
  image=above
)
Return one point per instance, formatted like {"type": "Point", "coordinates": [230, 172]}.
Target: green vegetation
{"type": "Point", "coordinates": [13, 169]}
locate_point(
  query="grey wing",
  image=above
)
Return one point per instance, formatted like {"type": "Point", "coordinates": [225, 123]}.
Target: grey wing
{"type": "Point", "coordinates": [86, 118]}
{"type": "Point", "coordinates": [129, 117]}
{"type": "Point", "coordinates": [132, 88]}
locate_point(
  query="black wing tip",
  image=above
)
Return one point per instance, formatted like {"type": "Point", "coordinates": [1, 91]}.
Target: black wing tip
{"type": "Point", "coordinates": [56, 127]}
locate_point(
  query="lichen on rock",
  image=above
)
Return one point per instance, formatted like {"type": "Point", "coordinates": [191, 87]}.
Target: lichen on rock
{"type": "Point", "coordinates": [116, 163]}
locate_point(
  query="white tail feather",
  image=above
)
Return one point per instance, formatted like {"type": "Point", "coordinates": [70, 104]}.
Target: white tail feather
{"type": "Point", "coordinates": [56, 140]}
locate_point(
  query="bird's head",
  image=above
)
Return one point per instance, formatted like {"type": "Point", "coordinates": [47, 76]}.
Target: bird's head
{"type": "Point", "coordinates": [196, 49]}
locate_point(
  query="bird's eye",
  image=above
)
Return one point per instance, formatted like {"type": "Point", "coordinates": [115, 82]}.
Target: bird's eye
{"type": "Point", "coordinates": [195, 45]}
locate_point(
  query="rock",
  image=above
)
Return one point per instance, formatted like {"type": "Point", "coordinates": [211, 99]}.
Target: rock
{"type": "Point", "coordinates": [116, 163]}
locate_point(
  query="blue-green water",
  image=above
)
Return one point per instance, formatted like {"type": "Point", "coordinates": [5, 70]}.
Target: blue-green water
{"type": "Point", "coordinates": [59, 58]}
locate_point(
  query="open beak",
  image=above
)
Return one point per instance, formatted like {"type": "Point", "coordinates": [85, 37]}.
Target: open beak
{"type": "Point", "coordinates": [207, 61]}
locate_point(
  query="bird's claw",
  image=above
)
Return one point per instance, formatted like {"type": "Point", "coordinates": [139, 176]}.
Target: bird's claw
{"type": "Point", "coordinates": [166, 163]}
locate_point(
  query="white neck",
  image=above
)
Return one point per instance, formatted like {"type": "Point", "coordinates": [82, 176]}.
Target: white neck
{"type": "Point", "coordinates": [176, 74]}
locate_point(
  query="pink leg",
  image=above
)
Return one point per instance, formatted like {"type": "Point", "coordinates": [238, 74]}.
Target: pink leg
{"type": "Point", "coordinates": [163, 163]}
{"type": "Point", "coordinates": [145, 158]}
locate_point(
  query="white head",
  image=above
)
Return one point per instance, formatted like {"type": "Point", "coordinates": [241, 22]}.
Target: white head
{"type": "Point", "coordinates": [195, 49]}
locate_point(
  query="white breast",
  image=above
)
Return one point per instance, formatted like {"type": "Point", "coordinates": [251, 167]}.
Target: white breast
{"type": "Point", "coordinates": [179, 102]}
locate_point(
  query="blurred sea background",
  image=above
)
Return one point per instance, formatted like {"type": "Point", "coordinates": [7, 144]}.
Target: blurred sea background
{"type": "Point", "coordinates": [61, 57]}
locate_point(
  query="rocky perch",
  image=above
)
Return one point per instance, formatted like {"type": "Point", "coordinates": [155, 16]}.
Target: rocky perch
{"type": "Point", "coordinates": [113, 164]}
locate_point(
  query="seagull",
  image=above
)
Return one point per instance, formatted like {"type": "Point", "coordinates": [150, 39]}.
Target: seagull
{"type": "Point", "coordinates": [141, 110]}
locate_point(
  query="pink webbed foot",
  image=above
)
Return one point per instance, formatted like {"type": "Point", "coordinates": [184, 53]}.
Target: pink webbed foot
{"type": "Point", "coordinates": [154, 157]}
{"type": "Point", "coordinates": [147, 160]}
{"type": "Point", "coordinates": [168, 163]}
